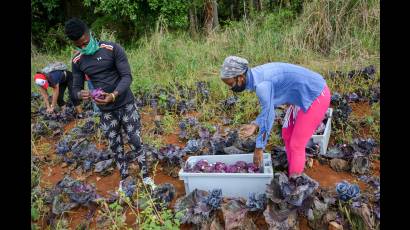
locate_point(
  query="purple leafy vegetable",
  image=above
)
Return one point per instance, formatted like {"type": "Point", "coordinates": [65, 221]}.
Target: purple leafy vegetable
{"type": "Point", "coordinates": [353, 97]}
{"type": "Point", "coordinates": [232, 169]}
{"type": "Point", "coordinates": [230, 102]}
{"type": "Point", "coordinates": [195, 211]}
{"type": "Point", "coordinates": [200, 165]}
{"type": "Point", "coordinates": [77, 192]}
{"type": "Point", "coordinates": [220, 167]}
{"type": "Point", "coordinates": [203, 133]}
{"type": "Point", "coordinates": [97, 93]}
{"type": "Point", "coordinates": [171, 155]}
{"type": "Point", "coordinates": [164, 193]}
{"type": "Point", "coordinates": [252, 168]}
{"type": "Point", "coordinates": [235, 215]}
{"type": "Point", "coordinates": [214, 199]}
{"type": "Point", "coordinates": [241, 164]}
{"type": "Point", "coordinates": [183, 131]}
{"type": "Point", "coordinates": [192, 146]}
{"type": "Point", "coordinates": [256, 203]}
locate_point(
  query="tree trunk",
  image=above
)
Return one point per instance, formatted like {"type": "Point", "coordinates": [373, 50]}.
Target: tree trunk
{"type": "Point", "coordinates": [231, 10]}
{"type": "Point", "coordinates": [244, 9]}
{"type": "Point", "coordinates": [208, 15]}
{"type": "Point", "coordinates": [73, 8]}
{"type": "Point", "coordinates": [250, 6]}
{"type": "Point", "coordinates": [192, 20]}
{"type": "Point", "coordinates": [258, 4]}
{"type": "Point", "coordinates": [33, 46]}
{"type": "Point", "coordinates": [236, 9]}
{"type": "Point", "coordinates": [215, 21]}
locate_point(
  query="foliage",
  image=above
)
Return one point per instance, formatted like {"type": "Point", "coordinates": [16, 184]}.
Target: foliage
{"type": "Point", "coordinates": [143, 14]}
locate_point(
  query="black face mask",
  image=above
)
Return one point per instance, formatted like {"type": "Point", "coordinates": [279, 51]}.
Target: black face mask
{"type": "Point", "coordinates": [238, 88]}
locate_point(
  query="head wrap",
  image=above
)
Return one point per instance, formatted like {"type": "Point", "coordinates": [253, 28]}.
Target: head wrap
{"type": "Point", "coordinates": [41, 80]}
{"type": "Point", "coordinates": [233, 66]}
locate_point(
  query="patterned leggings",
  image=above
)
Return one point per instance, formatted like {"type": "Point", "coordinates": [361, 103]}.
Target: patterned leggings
{"type": "Point", "coordinates": [127, 118]}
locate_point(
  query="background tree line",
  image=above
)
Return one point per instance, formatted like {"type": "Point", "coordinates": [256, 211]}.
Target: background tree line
{"type": "Point", "coordinates": [131, 19]}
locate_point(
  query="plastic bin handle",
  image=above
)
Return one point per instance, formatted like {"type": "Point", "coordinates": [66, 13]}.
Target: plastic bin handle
{"type": "Point", "coordinates": [267, 162]}
{"type": "Point", "coordinates": [186, 164]}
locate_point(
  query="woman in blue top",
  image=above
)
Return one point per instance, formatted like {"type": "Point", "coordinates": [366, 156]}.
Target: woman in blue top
{"type": "Point", "coordinates": [275, 84]}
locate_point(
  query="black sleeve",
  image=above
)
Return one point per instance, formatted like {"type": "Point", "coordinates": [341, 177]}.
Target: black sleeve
{"type": "Point", "coordinates": [78, 80]}
{"type": "Point", "coordinates": [123, 69]}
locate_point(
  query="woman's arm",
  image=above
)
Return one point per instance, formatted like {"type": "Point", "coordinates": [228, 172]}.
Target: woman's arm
{"type": "Point", "coordinates": [266, 118]}
{"type": "Point", "coordinates": [44, 94]}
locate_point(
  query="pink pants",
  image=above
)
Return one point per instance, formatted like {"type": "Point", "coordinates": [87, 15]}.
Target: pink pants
{"type": "Point", "coordinates": [297, 134]}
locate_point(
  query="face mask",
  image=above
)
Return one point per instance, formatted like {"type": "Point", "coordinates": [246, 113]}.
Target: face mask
{"type": "Point", "coordinates": [238, 88]}
{"type": "Point", "coordinates": [91, 47]}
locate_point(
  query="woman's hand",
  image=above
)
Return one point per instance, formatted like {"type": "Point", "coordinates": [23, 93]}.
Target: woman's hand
{"type": "Point", "coordinates": [258, 157]}
{"type": "Point", "coordinates": [50, 109]}
{"type": "Point", "coordinates": [84, 94]}
{"type": "Point", "coordinates": [108, 98]}
{"type": "Point", "coordinates": [247, 130]}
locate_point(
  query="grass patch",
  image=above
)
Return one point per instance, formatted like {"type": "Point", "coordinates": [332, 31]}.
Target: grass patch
{"type": "Point", "coordinates": [327, 36]}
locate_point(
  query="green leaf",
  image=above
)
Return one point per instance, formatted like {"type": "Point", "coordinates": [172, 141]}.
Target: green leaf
{"type": "Point", "coordinates": [35, 215]}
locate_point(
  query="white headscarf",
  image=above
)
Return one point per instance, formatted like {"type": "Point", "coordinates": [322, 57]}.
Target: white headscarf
{"type": "Point", "coordinates": [233, 66]}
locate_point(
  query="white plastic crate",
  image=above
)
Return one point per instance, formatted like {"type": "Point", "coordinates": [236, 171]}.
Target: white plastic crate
{"type": "Point", "coordinates": [323, 140]}
{"type": "Point", "coordinates": [232, 184]}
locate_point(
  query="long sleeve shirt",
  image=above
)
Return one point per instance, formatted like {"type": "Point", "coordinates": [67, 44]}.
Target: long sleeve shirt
{"type": "Point", "coordinates": [279, 83]}
{"type": "Point", "coordinates": [107, 69]}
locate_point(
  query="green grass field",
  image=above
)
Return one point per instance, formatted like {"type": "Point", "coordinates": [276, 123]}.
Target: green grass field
{"type": "Point", "coordinates": [327, 36]}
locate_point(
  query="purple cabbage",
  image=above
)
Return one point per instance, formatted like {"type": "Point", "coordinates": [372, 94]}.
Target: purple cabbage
{"type": "Point", "coordinates": [203, 133]}
{"type": "Point", "coordinates": [252, 168]}
{"type": "Point", "coordinates": [256, 202]}
{"type": "Point", "coordinates": [97, 93]}
{"type": "Point", "coordinates": [171, 154]}
{"type": "Point", "coordinates": [209, 168]}
{"type": "Point", "coordinates": [201, 165]}
{"type": "Point", "coordinates": [241, 164]}
{"type": "Point", "coordinates": [192, 146]}
{"type": "Point", "coordinates": [214, 199]}
{"type": "Point", "coordinates": [220, 167]}
{"type": "Point", "coordinates": [232, 169]}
